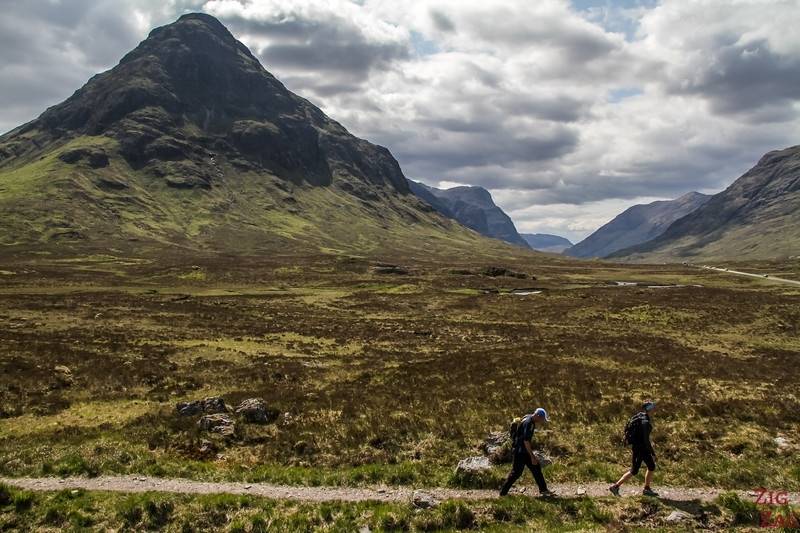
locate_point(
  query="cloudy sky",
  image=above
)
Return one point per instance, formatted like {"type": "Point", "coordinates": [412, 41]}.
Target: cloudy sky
{"type": "Point", "coordinates": [567, 111]}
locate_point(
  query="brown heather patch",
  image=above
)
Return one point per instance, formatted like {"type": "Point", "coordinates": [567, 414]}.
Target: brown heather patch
{"type": "Point", "coordinates": [393, 378]}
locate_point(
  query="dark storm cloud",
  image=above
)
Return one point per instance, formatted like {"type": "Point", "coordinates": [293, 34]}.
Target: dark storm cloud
{"type": "Point", "coordinates": [331, 46]}
{"type": "Point", "coordinates": [447, 156]}
{"type": "Point", "coordinates": [750, 80]}
{"type": "Point", "coordinates": [559, 108]}
{"type": "Point", "coordinates": [710, 167]}
{"type": "Point", "coordinates": [50, 49]}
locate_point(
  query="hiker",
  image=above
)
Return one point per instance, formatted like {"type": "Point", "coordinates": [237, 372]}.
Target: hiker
{"type": "Point", "coordinates": [637, 435]}
{"type": "Point", "coordinates": [523, 453]}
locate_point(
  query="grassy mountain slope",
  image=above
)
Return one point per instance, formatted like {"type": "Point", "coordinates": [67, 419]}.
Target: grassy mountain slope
{"type": "Point", "coordinates": [757, 217]}
{"type": "Point", "coordinates": [189, 142]}
{"type": "Point", "coordinates": [636, 225]}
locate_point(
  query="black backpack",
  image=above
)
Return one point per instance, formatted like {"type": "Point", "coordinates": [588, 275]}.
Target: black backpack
{"type": "Point", "coordinates": [633, 429]}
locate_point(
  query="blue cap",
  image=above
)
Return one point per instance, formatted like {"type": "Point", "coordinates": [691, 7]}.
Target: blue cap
{"type": "Point", "coordinates": [541, 412]}
{"type": "Point", "coordinates": [648, 406]}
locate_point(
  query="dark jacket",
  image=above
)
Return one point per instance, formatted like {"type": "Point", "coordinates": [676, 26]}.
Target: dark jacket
{"type": "Point", "coordinates": [643, 440]}
{"type": "Point", "coordinates": [525, 432]}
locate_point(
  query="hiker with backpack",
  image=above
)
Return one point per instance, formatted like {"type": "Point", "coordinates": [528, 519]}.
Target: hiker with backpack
{"type": "Point", "coordinates": [637, 436]}
{"type": "Point", "coordinates": [522, 435]}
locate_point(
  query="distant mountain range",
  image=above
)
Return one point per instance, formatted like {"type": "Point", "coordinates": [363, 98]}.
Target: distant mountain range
{"type": "Point", "coordinates": [473, 207]}
{"type": "Point", "coordinates": [190, 144]}
{"type": "Point", "coordinates": [756, 217]}
{"type": "Point", "coordinates": [636, 225]}
{"type": "Point", "coordinates": [544, 242]}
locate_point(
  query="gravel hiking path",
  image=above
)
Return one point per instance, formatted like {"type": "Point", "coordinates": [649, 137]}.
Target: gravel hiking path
{"type": "Point", "coordinates": [322, 494]}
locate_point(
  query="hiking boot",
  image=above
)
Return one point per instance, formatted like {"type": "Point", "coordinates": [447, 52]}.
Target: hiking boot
{"type": "Point", "coordinates": [614, 490]}
{"type": "Point", "coordinates": [547, 493]}
{"type": "Point", "coordinates": [649, 492]}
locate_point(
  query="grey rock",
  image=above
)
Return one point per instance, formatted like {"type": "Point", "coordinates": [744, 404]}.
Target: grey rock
{"type": "Point", "coordinates": [783, 444]}
{"type": "Point", "coordinates": [423, 500]}
{"type": "Point", "coordinates": [210, 405]}
{"type": "Point", "coordinates": [255, 411]}
{"type": "Point", "coordinates": [189, 408]}
{"type": "Point", "coordinates": [473, 465]}
{"type": "Point", "coordinates": [217, 423]}
{"type": "Point", "coordinates": [678, 516]}
{"type": "Point", "coordinates": [62, 377]}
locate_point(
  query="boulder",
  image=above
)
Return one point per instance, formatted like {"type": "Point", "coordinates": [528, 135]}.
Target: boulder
{"type": "Point", "coordinates": [189, 408]}
{"type": "Point", "coordinates": [473, 465]}
{"type": "Point", "coordinates": [214, 404]}
{"type": "Point", "coordinates": [210, 405]}
{"type": "Point", "coordinates": [423, 500]}
{"type": "Point", "coordinates": [677, 517]}
{"type": "Point", "coordinates": [255, 411]}
{"type": "Point", "coordinates": [62, 377]}
{"type": "Point", "coordinates": [217, 423]}
{"type": "Point", "coordinates": [783, 445]}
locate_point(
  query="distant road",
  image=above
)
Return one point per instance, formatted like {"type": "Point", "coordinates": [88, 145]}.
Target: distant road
{"type": "Point", "coordinates": [760, 276]}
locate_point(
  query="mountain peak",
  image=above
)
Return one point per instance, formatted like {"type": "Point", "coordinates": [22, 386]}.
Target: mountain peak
{"type": "Point", "coordinates": [191, 91]}
{"type": "Point", "coordinates": [190, 140]}
{"type": "Point", "coordinates": [690, 196]}
{"type": "Point", "coordinates": [194, 37]}
{"type": "Point", "coordinates": [199, 32]}
{"type": "Point", "coordinates": [473, 207]}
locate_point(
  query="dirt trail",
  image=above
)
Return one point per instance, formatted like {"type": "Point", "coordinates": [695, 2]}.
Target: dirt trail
{"type": "Point", "coordinates": [321, 494]}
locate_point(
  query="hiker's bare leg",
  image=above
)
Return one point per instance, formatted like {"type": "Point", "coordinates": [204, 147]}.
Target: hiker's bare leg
{"type": "Point", "coordinates": [624, 478]}
{"type": "Point", "coordinates": [648, 477]}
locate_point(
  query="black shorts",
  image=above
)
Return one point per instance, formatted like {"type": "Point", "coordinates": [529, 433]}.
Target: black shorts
{"type": "Point", "coordinates": [639, 457]}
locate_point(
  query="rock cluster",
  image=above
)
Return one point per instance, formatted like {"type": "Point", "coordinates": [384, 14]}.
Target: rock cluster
{"type": "Point", "coordinates": [496, 272]}
{"type": "Point", "coordinates": [217, 417]}
{"type": "Point", "coordinates": [210, 405]}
